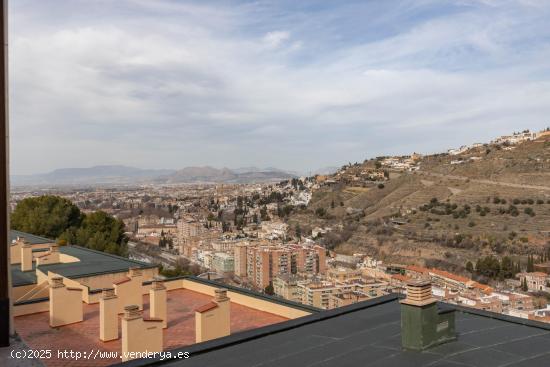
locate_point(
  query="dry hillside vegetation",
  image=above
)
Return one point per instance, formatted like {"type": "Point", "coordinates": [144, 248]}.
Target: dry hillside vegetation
{"type": "Point", "coordinates": [444, 214]}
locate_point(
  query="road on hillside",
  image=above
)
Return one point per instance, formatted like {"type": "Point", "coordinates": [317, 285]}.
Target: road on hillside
{"type": "Point", "coordinates": [489, 182]}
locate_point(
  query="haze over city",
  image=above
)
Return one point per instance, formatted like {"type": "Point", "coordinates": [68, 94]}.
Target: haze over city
{"type": "Point", "coordinates": [295, 85]}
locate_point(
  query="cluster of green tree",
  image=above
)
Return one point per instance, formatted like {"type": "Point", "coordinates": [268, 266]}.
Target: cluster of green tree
{"type": "Point", "coordinates": [518, 201]}
{"type": "Point", "coordinates": [284, 210]}
{"type": "Point", "coordinates": [273, 197]}
{"type": "Point", "coordinates": [269, 290]}
{"type": "Point", "coordinates": [492, 268]}
{"type": "Point", "coordinates": [511, 210]}
{"type": "Point", "coordinates": [240, 212]}
{"type": "Point", "coordinates": [524, 286]}
{"type": "Point", "coordinates": [320, 212]}
{"type": "Point", "coordinates": [297, 184]}
{"type": "Point", "coordinates": [183, 267]}
{"type": "Point", "coordinates": [438, 208]}
{"type": "Point", "coordinates": [482, 210]}
{"type": "Point", "coordinates": [172, 208]}
{"type": "Point", "coordinates": [58, 218]}
{"type": "Point", "coordinates": [166, 241]}
{"type": "Point", "coordinates": [497, 200]}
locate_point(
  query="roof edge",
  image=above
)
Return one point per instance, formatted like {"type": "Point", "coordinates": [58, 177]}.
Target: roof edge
{"type": "Point", "coordinates": [261, 332]}
{"type": "Point", "coordinates": [247, 292]}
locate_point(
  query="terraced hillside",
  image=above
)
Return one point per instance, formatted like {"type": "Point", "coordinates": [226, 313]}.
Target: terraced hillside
{"type": "Point", "coordinates": [452, 210]}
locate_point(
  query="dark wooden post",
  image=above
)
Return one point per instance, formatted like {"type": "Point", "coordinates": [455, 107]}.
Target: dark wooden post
{"type": "Point", "coordinates": [5, 284]}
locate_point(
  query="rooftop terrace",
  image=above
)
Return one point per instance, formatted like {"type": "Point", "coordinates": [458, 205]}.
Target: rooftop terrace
{"type": "Point", "coordinates": [35, 331]}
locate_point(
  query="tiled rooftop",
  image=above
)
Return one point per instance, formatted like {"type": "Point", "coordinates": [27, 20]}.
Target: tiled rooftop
{"type": "Point", "coordinates": [84, 336]}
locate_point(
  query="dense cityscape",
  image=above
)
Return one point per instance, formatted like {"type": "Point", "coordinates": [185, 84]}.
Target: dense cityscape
{"type": "Point", "coordinates": [239, 234]}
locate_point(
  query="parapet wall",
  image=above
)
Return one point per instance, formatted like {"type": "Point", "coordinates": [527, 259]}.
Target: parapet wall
{"type": "Point", "coordinates": [239, 296]}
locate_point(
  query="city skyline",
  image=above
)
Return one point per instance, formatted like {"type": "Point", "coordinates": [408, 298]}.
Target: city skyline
{"type": "Point", "coordinates": [296, 86]}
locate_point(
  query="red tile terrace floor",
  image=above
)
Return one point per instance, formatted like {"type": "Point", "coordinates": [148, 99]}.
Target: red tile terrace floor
{"type": "Point", "coordinates": [84, 336]}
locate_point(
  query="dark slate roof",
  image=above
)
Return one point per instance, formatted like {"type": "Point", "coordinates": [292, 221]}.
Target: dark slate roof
{"type": "Point", "coordinates": [20, 278]}
{"type": "Point", "coordinates": [31, 238]}
{"type": "Point", "coordinates": [368, 334]}
{"type": "Point", "coordinates": [91, 263]}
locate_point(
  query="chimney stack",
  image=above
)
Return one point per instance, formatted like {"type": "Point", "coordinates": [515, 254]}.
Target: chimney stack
{"type": "Point", "coordinates": [134, 272]}
{"type": "Point", "coordinates": [213, 320]}
{"type": "Point", "coordinates": [423, 325]}
{"type": "Point", "coordinates": [220, 295]}
{"type": "Point", "coordinates": [157, 300]}
{"type": "Point", "coordinates": [139, 335]}
{"type": "Point", "coordinates": [65, 303]}
{"type": "Point", "coordinates": [108, 315]}
{"type": "Point", "coordinates": [129, 290]}
{"type": "Point", "coordinates": [26, 256]}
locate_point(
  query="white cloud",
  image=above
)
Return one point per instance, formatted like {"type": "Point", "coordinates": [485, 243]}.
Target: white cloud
{"type": "Point", "coordinates": [276, 38]}
{"type": "Point", "coordinates": [157, 86]}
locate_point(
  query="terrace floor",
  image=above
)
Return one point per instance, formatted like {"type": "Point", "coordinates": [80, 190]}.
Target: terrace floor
{"type": "Point", "coordinates": [83, 337]}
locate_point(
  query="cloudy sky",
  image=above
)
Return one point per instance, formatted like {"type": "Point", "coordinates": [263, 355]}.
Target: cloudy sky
{"type": "Point", "coordinates": [293, 84]}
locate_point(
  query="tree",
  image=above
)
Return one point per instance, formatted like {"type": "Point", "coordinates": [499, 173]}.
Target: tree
{"type": "Point", "coordinates": [320, 212]}
{"type": "Point", "coordinates": [47, 216]}
{"type": "Point", "coordinates": [263, 214]}
{"type": "Point", "coordinates": [524, 285]}
{"type": "Point", "coordinates": [269, 289]}
{"type": "Point", "coordinates": [506, 268]}
{"type": "Point", "coordinates": [298, 231]}
{"type": "Point", "coordinates": [100, 231]}
{"type": "Point", "coordinates": [530, 264]}
{"type": "Point", "coordinates": [470, 266]}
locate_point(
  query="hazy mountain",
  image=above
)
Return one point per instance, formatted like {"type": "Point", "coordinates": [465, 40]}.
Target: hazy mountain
{"type": "Point", "coordinates": [200, 174]}
{"type": "Point", "coordinates": [325, 171]}
{"type": "Point", "coordinates": [240, 175]}
{"type": "Point", "coordinates": [130, 175]}
{"type": "Point", "coordinates": [91, 175]}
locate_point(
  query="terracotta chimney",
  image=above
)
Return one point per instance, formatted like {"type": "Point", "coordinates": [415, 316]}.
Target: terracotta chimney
{"type": "Point", "coordinates": [139, 335]}
{"type": "Point", "coordinates": [65, 303]}
{"type": "Point", "coordinates": [423, 325]}
{"type": "Point", "coordinates": [108, 315]}
{"type": "Point", "coordinates": [129, 290]}
{"type": "Point", "coordinates": [134, 272]}
{"type": "Point", "coordinates": [54, 254]}
{"type": "Point", "coordinates": [26, 257]}
{"type": "Point", "coordinates": [220, 295]}
{"type": "Point", "coordinates": [213, 320]}
{"type": "Point", "coordinates": [16, 250]}
{"type": "Point", "coordinates": [419, 293]}
{"type": "Point", "coordinates": [157, 300]}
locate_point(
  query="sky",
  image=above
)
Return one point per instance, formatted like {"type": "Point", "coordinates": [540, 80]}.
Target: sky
{"type": "Point", "coordinates": [297, 85]}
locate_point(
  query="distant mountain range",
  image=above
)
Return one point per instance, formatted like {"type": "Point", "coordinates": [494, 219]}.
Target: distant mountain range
{"type": "Point", "coordinates": [131, 175]}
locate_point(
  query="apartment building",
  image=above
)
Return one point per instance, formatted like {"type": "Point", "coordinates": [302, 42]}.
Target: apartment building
{"type": "Point", "coordinates": [264, 262]}
{"type": "Point", "coordinates": [223, 263]}
{"type": "Point", "coordinates": [287, 287]}
{"type": "Point", "coordinates": [239, 255]}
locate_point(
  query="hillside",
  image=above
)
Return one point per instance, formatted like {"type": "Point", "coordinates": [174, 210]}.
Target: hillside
{"type": "Point", "coordinates": [491, 199]}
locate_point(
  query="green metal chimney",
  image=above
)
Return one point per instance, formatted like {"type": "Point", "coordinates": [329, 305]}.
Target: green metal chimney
{"type": "Point", "coordinates": [423, 325]}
